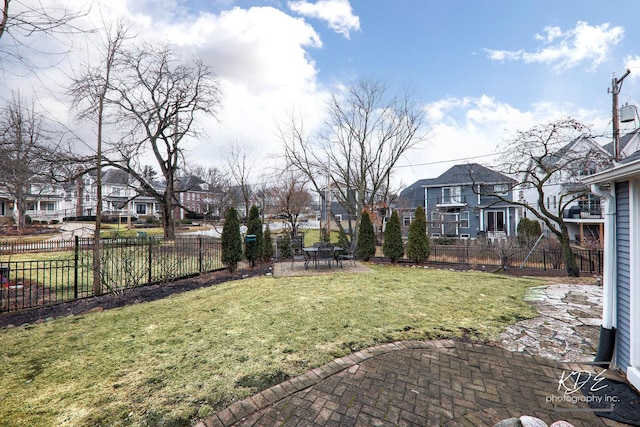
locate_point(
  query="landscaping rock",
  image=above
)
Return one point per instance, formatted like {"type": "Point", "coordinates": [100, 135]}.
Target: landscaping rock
{"type": "Point", "coordinates": [528, 421]}
{"type": "Point", "coordinates": [561, 424]}
{"type": "Point", "coordinates": [509, 422]}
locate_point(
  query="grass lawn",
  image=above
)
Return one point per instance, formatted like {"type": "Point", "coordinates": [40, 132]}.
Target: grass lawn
{"type": "Point", "coordinates": [166, 362]}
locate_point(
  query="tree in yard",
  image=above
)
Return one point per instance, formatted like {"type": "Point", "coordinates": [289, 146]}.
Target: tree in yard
{"type": "Point", "coordinates": [160, 99]}
{"type": "Point", "coordinates": [418, 248]}
{"type": "Point", "coordinates": [291, 199]}
{"type": "Point", "coordinates": [366, 238]}
{"type": "Point", "coordinates": [239, 166]}
{"type": "Point", "coordinates": [393, 247]}
{"type": "Point", "coordinates": [268, 244]}
{"type": "Point", "coordinates": [366, 132]}
{"type": "Point", "coordinates": [89, 91]}
{"type": "Point", "coordinates": [231, 240]}
{"type": "Point", "coordinates": [24, 144]}
{"type": "Point", "coordinates": [549, 159]}
{"type": "Point", "coordinates": [254, 250]}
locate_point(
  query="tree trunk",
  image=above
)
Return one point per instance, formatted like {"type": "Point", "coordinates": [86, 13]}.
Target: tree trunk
{"type": "Point", "coordinates": [568, 257]}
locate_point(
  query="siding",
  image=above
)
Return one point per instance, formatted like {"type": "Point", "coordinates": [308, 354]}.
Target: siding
{"type": "Point", "coordinates": [623, 272]}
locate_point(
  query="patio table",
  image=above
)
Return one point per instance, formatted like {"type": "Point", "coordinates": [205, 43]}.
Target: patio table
{"type": "Point", "coordinates": [313, 254]}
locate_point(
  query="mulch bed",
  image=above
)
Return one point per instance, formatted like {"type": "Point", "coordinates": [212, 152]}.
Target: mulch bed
{"type": "Point", "coordinates": [128, 297]}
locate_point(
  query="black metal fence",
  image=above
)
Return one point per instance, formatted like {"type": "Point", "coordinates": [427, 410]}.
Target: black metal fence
{"type": "Point", "coordinates": [589, 261]}
{"type": "Point", "coordinates": [68, 274]}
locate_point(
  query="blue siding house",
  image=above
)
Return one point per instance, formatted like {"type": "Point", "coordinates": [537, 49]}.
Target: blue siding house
{"type": "Point", "coordinates": [461, 203]}
{"type": "Point", "coordinates": [620, 333]}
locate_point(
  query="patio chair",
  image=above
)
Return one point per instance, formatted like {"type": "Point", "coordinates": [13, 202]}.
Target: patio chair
{"type": "Point", "coordinates": [348, 255]}
{"type": "Point", "coordinates": [326, 253]}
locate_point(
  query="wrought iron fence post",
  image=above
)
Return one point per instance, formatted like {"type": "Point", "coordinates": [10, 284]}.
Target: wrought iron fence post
{"type": "Point", "coordinates": [150, 259]}
{"type": "Point", "coordinates": [200, 254]}
{"type": "Point", "coordinates": [75, 266]}
{"type": "Point", "coordinates": [544, 259]}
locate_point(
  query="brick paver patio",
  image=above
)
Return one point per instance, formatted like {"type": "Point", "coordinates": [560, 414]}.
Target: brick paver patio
{"type": "Point", "coordinates": [417, 383]}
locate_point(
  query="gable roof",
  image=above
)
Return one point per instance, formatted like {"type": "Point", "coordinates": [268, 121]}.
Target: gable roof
{"type": "Point", "coordinates": [414, 194]}
{"type": "Point", "coordinates": [472, 173]}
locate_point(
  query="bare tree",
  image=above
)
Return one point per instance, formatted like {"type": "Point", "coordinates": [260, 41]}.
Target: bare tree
{"type": "Point", "coordinates": [549, 159]}
{"type": "Point", "coordinates": [24, 143]}
{"type": "Point", "coordinates": [239, 166]}
{"type": "Point", "coordinates": [89, 91]}
{"type": "Point", "coordinates": [291, 198]}
{"type": "Point", "coordinates": [22, 23]}
{"type": "Point", "coordinates": [366, 133]}
{"type": "Point", "coordinates": [160, 98]}
{"type": "Point", "coordinates": [219, 198]}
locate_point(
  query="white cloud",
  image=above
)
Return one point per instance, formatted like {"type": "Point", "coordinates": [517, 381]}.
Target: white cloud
{"type": "Point", "coordinates": [632, 62]}
{"type": "Point", "coordinates": [474, 130]}
{"type": "Point", "coordinates": [337, 13]}
{"type": "Point", "coordinates": [567, 49]}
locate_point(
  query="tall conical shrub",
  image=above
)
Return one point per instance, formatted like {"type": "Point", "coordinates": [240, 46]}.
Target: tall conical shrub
{"type": "Point", "coordinates": [366, 238]}
{"type": "Point", "coordinates": [392, 247]}
{"type": "Point", "coordinates": [254, 251]}
{"type": "Point", "coordinates": [231, 240]}
{"type": "Point", "coordinates": [268, 244]}
{"type": "Point", "coordinates": [418, 248]}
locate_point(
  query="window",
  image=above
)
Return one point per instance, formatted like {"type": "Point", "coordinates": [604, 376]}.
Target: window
{"type": "Point", "coordinates": [464, 219]}
{"type": "Point", "coordinates": [495, 221]}
{"type": "Point", "coordinates": [500, 188]}
{"type": "Point", "coordinates": [435, 219]}
{"type": "Point", "coordinates": [408, 218]}
{"type": "Point", "coordinates": [338, 217]}
{"type": "Point", "coordinates": [141, 209]}
{"type": "Point", "coordinates": [31, 206]}
{"type": "Point", "coordinates": [50, 206]}
{"type": "Point", "coordinates": [451, 195]}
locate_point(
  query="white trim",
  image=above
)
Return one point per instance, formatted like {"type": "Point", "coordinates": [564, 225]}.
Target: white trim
{"type": "Point", "coordinates": [634, 285]}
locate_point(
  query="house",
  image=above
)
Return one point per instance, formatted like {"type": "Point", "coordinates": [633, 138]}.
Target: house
{"type": "Point", "coordinates": [583, 216]}
{"type": "Point", "coordinates": [459, 203]}
{"type": "Point", "coordinates": [197, 200]}
{"type": "Point", "coordinates": [121, 196]}
{"type": "Point", "coordinates": [619, 187]}
{"type": "Point", "coordinates": [44, 203]}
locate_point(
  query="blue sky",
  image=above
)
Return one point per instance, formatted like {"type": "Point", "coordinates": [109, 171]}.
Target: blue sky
{"type": "Point", "coordinates": [481, 69]}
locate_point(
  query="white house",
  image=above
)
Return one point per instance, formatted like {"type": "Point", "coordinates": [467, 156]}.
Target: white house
{"type": "Point", "coordinates": [583, 215]}
{"type": "Point", "coordinates": [620, 333]}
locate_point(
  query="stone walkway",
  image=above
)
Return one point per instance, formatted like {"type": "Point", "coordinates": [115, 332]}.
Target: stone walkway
{"type": "Point", "coordinates": [444, 383]}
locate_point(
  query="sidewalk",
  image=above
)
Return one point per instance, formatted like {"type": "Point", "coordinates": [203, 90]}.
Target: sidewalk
{"type": "Point", "coordinates": [416, 383]}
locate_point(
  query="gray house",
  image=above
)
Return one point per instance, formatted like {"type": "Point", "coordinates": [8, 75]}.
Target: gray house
{"type": "Point", "coordinates": [619, 187]}
{"type": "Point", "coordinates": [461, 203]}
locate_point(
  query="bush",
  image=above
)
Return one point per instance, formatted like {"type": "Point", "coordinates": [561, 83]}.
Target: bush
{"type": "Point", "coordinates": [393, 247]}
{"type": "Point", "coordinates": [284, 246]}
{"type": "Point", "coordinates": [529, 231]}
{"type": "Point", "coordinates": [254, 250]}
{"type": "Point", "coordinates": [418, 248]}
{"type": "Point", "coordinates": [366, 238]}
{"type": "Point", "coordinates": [268, 244]}
{"type": "Point", "coordinates": [231, 240]}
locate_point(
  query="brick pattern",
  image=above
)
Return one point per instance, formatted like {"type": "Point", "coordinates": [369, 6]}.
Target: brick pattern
{"type": "Point", "coordinates": [417, 383]}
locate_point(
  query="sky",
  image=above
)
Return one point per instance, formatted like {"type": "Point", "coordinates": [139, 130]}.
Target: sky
{"type": "Point", "coordinates": [480, 69]}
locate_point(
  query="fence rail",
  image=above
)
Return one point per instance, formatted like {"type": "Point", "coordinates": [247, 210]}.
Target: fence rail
{"type": "Point", "coordinates": [589, 261]}
{"type": "Point", "coordinates": [125, 263]}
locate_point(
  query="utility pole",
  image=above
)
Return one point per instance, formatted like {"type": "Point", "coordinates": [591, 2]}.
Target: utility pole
{"type": "Point", "coordinates": [616, 85]}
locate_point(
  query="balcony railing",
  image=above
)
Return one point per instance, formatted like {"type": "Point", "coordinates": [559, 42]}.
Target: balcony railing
{"type": "Point", "coordinates": [452, 201]}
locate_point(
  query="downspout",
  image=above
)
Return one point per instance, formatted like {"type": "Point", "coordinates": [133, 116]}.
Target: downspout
{"type": "Point", "coordinates": [609, 316]}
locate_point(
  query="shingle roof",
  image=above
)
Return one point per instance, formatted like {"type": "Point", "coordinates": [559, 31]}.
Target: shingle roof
{"type": "Point", "coordinates": [471, 173]}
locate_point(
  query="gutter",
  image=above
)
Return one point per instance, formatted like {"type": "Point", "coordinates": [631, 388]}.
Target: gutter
{"type": "Point", "coordinates": [609, 283]}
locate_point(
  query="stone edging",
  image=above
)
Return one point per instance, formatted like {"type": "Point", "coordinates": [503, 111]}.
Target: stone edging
{"type": "Point", "coordinates": [243, 408]}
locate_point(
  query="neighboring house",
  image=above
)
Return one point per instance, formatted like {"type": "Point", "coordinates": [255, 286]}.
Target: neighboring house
{"type": "Point", "coordinates": [583, 216]}
{"type": "Point", "coordinates": [44, 203]}
{"type": "Point", "coordinates": [121, 196]}
{"type": "Point", "coordinates": [458, 204]}
{"type": "Point", "coordinates": [196, 198]}
{"type": "Point", "coordinates": [620, 334]}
